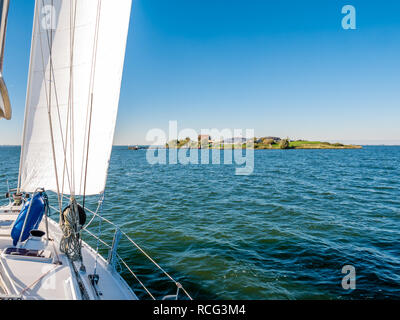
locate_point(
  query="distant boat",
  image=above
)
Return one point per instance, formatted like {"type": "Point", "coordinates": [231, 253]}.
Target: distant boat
{"type": "Point", "coordinates": [235, 140]}
{"type": "Point", "coordinates": [135, 148]}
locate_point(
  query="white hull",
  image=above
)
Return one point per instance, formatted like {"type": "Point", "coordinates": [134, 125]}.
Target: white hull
{"type": "Point", "coordinates": [32, 278]}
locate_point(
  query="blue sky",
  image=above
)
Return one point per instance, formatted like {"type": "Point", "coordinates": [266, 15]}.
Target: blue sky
{"type": "Point", "coordinates": [283, 68]}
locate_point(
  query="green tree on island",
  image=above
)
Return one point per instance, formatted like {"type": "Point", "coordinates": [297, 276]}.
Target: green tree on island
{"type": "Point", "coordinates": [284, 144]}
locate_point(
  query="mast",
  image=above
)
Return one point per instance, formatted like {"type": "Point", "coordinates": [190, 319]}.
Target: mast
{"type": "Point", "coordinates": [5, 105]}
{"type": "Point", "coordinates": [4, 5]}
{"type": "Point", "coordinates": [28, 91]}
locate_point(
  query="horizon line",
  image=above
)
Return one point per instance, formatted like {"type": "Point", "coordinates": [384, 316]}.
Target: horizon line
{"type": "Point", "coordinates": [138, 144]}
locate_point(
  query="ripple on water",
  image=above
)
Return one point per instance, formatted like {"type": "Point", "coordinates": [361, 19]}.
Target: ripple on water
{"type": "Point", "coordinates": [283, 233]}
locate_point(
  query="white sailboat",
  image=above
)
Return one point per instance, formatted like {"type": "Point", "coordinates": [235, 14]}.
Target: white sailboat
{"type": "Point", "coordinates": [77, 58]}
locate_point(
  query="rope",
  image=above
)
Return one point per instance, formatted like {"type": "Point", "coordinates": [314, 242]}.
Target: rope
{"type": "Point", "coordinates": [96, 214]}
{"type": "Point", "coordinates": [136, 277]}
{"type": "Point", "coordinates": [70, 116]}
{"type": "Point", "coordinates": [48, 100]}
{"type": "Point", "coordinates": [64, 142]}
{"type": "Point", "coordinates": [22, 158]}
{"type": "Point", "coordinates": [87, 155]}
{"type": "Point", "coordinates": [90, 102]}
{"type": "Point", "coordinates": [70, 243]}
{"type": "Point", "coordinates": [48, 234]}
{"type": "Point", "coordinates": [7, 276]}
{"type": "Point", "coordinates": [99, 233]}
{"type": "Point", "coordinates": [38, 280]}
{"type": "Point", "coordinates": [178, 285]}
{"type": "Point", "coordinates": [72, 41]}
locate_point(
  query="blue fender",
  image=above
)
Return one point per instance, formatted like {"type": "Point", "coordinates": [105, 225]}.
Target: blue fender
{"type": "Point", "coordinates": [33, 221]}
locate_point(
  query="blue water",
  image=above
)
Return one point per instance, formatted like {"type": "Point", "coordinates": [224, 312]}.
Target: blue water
{"type": "Point", "coordinates": [284, 232]}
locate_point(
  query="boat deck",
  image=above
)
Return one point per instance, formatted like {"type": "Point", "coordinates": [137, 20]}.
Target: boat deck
{"type": "Point", "coordinates": [39, 271]}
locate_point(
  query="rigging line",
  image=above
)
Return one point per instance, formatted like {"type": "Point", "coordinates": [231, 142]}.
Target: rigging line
{"type": "Point", "coordinates": [73, 206]}
{"type": "Point", "coordinates": [136, 277]}
{"type": "Point", "coordinates": [38, 280]}
{"type": "Point", "coordinates": [65, 169]}
{"type": "Point", "coordinates": [48, 100]}
{"type": "Point", "coordinates": [28, 94]}
{"type": "Point", "coordinates": [101, 202]}
{"type": "Point", "coordinates": [66, 127]}
{"type": "Point", "coordinates": [90, 98]}
{"type": "Point", "coordinates": [52, 73]}
{"type": "Point", "coordinates": [70, 97]}
{"type": "Point", "coordinates": [87, 155]}
{"type": "Point", "coordinates": [6, 274]}
{"type": "Point", "coordinates": [95, 215]}
{"type": "Point", "coordinates": [64, 142]}
{"type": "Point", "coordinates": [49, 112]}
{"type": "Point", "coordinates": [155, 263]}
{"type": "Point", "coordinates": [72, 128]}
{"type": "Point", "coordinates": [82, 289]}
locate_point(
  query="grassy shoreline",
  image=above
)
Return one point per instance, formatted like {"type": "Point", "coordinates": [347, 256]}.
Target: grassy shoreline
{"type": "Point", "coordinates": [303, 145]}
{"type": "Point", "coordinates": [262, 144]}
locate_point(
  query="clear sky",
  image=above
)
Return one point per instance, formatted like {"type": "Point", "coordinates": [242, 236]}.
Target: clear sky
{"type": "Point", "coordinates": [283, 68]}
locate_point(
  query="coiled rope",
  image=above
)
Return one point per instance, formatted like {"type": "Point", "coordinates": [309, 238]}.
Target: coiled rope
{"type": "Point", "coordinates": [70, 243]}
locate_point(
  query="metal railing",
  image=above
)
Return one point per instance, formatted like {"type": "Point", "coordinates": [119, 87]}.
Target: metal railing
{"type": "Point", "coordinates": [114, 258]}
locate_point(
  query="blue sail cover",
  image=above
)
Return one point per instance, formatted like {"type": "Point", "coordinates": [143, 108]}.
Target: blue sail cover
{"type": "Point", "coordinates": [36, 213]}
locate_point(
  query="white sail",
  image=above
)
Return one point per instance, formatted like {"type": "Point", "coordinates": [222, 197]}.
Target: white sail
{"type": "Point", "coordinates": [77, 58]}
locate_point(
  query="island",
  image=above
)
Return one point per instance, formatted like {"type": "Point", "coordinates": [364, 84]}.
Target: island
{"type": "Point", "coordinates": [265, 143]}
